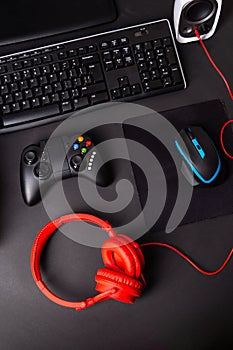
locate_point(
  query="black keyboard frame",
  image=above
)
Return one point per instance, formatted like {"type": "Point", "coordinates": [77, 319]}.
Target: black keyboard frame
{"type": "Point", "coordinates": [149, 32]}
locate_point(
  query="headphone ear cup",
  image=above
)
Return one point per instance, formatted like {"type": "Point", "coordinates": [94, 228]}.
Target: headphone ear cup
{"type": "Point", "coordinates": [127, 288]}
{"type": "Point", "coordinates": [122, 254]}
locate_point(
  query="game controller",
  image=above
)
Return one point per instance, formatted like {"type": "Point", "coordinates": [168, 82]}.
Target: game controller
{"type": "Point", "coordinates": [57, 159]}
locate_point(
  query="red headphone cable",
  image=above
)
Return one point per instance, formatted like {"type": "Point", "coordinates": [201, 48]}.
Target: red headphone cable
{"type": "Point", "coordinates": [227, 86]}
{"type": "Point", "coordinates": [212, 62]}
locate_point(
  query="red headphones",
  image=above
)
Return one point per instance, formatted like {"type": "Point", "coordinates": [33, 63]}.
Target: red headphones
{"type": "Point", "coordinates": [122, 277]}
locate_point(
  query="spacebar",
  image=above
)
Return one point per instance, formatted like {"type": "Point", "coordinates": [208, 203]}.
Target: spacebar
{"type": "Point", "coordinates": [30, 115]}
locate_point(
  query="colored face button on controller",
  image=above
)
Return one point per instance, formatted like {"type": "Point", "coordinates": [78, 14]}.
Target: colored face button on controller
{"type": "Point", "coordinates": [30, 157]}
{"type": "Point", "coordinates": [80, 139]}
{"type": "Point", "coordinates": [84, 150]}
{"type": "Point", "coordinates": [88, 143]}
{"type": "Point", "coordinates": [76, 146]}
{"type": "Point", "coordinates": [75, 162]}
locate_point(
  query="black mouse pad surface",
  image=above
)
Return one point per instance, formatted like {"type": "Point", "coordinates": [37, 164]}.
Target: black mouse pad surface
{"type": "Point", "coordinates": [207, 201]}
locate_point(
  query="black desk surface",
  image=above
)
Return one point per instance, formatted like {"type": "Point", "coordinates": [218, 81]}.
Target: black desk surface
{"type": "Point", "coordinates": [180, 309]}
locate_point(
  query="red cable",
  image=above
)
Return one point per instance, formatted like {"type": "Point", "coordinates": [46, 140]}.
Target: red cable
{"type": "Point", "coordinates": [213, 64]}
{"type": "Point", "coordinates": [221, 139]}
{"type": "Point", "coordinates": [122, 278]}
{"type": "Point", "coordinates": [185, 257]}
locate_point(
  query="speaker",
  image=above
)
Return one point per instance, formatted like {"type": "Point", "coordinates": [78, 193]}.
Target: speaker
{"type": "Point", "coordinates": [202, 14]}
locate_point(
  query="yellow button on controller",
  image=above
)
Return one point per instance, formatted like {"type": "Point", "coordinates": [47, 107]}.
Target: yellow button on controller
{"type": "Point", "coordinates": [80, 139]}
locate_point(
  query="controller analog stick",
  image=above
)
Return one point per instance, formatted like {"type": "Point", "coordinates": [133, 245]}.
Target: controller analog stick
{"type": "Point", "coordinates": [75, 162]}
{"type": "Point", "coordinates": [30, 157]}
{"type": "Point", "coordinates": [43, 170]}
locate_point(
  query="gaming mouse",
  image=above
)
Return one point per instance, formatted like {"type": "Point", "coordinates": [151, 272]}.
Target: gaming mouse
{"type": "Point", "coordinates": [202, 158]}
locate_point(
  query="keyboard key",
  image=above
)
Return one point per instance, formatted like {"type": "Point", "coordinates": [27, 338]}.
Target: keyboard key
{"type": "Point", "coordinates": [46, 58]}
{"type": "Point", "coordinates": [26, 74]}
{"type": "Point", "coordinates": [62, 55]}
{"type": "Point", "coordinates": [96, 73]}
{"type": "Point", "coordinates": [167, 42]}
{"type": "Point", "coordinates": [123, 81]}
{"type": "Point", "coordinates": [116, 53]}
{"type": "Point", "coordinates": [142, 67]}
{"type": "Point", "coordinates": [176, 76]}
{"type": "Point", "coordinates": [6, 109]}
{"type": "Point", "coordinates": [74, 93]}
{"type": "Point", "coordinates": [55, 98]}
{"type": "Point", "coordinates": [119, 63]}
{"type": "Point", "coordinates": [14, 87]}
{"type": "Point", "coordinates": [37, 92]}
{"type": "Point", "coordinates": [99, 98]}
{"type": "Point", "coordinates": [126, 91]}
{"type": "Point", "coordinates": [167, 82]}
{"type": "Point", "coordinates": [57, 87]}
{"type": "Point", "coordinates": [147, 46]}
{"type": "Point", "coordinates": [114, 43]}
{"type": "Point", "coordinates": [80, 103]}
{"type": "Point", "coordinates": [4, 89]}
{"type": "Point", "coordinates": [47, 89]}
{"type": "Point", "coordinates": [64, 95]}
{"type": "Point", "coordinates": [17, 65]}
{"type": "Point", "coordinates": [90, 59]}
{"type": "Point", "coordinates": [3, 69]}
{"type": "Point", "coordinates": [116, 94]}
{"type": "Point", "coordinates": [92, 48]}
{"type": "Point", "coordinates": [15, 107]}
{"type": "Point", "coordinates": [26, 105]}
{"type": "Point", "coordinates": [126, 51]}
{"type": "Point", "coordinates": [170, 54]}
{"type": "Point", "coordinates": [8, 98]}
{"type": "Point", "coordinates": [23, 85]}
{"type": "Point", "coordinates": [138, 48]}
{"type": "Point", "coordinates": [30, 115]}
{"type": "Point", "coordinates": [45, 100]}
{"type": "Point", "coordinates": [124, 41]}
{"type": "Point", "coordinates": [35, 72]}
{"type": "Point", "coordinates": [104, 45]}
{"type": "Point", "coordinates": [66, 107]}
{"type": "Point", "coordinates": [18, 96]}
{"type": "Point", "coordinates": [27, 63]}
{"type": "Point", "coordinates": [43, 81]}
{"type": "Point", "coordinates": [136, 89]}
{"type": "Point", "coordinates": [36, 61]}
{"type": "Point", "coordinates": [35, 102]}
{"type": "Point", "coordinates": [27, 94]}
{"type": "Point", "coordinates": [157, 44]}
{"type": "Point", "coordinates": [6, 79]}
{"type": "Point", "coordinates": [16, 77]}
{"type": "Point", "coordinates": [33, 83]}
{"type": "Point", "coordinates": [128, 61]}
{"type": "Point", "coordinates": [90, 90]}
{"type": "Point", "coordinates": [52, 78]}
{"type": "Point", "coordinates": [72, 53]}
{"type": "Point", "coordinates": [82, 51]}
{"type": "Point", "coordinates": [109, 66]}
{"type": "Point", "coordinates": [145, 77]}
{"type": "Point", "coordinates": [152, 85]}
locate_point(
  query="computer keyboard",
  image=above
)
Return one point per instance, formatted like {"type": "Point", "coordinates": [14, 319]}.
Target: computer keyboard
{"type": "Point", "coordinates": [47, 83]}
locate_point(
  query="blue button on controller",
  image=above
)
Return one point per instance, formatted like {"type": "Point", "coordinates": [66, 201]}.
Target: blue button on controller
{"type": "Point", "coordinates": [76, 146]}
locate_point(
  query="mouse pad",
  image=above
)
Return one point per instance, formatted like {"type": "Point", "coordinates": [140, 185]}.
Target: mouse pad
{"type": "Point", "coordinates": [206, 201]}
